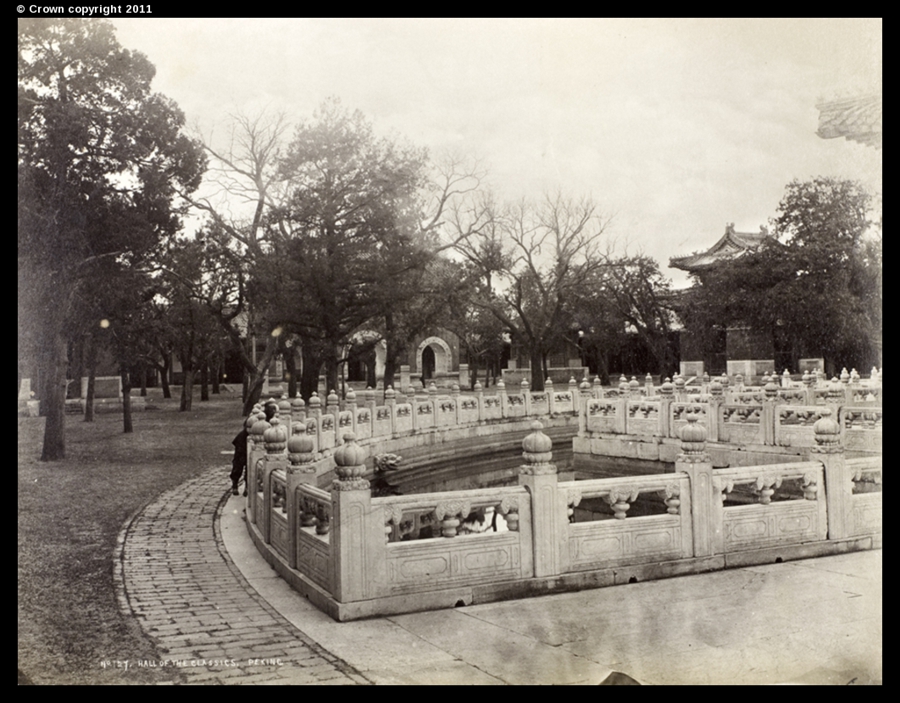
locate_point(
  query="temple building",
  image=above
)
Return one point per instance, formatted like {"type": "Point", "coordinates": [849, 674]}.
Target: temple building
{"type": "Point", "coordinates": [732, 350]}
{"type": "Point", "coordinates": [730, 246]}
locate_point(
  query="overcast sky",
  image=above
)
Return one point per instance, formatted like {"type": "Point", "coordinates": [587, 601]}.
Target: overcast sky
{"type": "Point", "coordinates": [675, 127]}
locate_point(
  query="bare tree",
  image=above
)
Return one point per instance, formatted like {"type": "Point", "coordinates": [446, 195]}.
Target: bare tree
{"type": "Point", "coordinates": [542, 257]}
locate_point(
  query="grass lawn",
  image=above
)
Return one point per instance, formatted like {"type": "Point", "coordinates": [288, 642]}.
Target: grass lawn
{"type": "Point", "coordinates": [70, 514]}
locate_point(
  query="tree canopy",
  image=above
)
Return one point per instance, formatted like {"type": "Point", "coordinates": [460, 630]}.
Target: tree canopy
{"type": "Point", "coordinates": [817, 282]}
{"type": "Point", "coordinates": [100, 161]}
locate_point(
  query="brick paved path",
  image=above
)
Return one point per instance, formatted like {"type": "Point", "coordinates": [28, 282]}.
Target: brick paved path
{"type": "Point", "coordinates": [176, 578]}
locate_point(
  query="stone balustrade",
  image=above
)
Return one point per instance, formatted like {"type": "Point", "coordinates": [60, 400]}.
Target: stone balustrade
{"type": "Point", "coordinates": [355, 555]}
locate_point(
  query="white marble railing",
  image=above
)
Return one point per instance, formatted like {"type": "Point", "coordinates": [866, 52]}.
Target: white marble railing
{"type": "Point", "coordinates": [354, 553]}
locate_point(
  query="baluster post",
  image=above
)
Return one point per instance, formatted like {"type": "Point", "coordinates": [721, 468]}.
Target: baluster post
{"type": "Point", "coordinates": [357, 533]}
{"type": "Point", "coordinates": [838, 479]}
{"type": "Point", "coordinates": [694, 461]}
{"type": "Point", "coordinates": [539, 477]}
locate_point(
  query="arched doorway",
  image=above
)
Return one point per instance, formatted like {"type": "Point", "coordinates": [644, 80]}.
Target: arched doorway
{"type": "Point", "coordinates": [434, 358]}
{"type": "Point", "coordinates": [427, 363]}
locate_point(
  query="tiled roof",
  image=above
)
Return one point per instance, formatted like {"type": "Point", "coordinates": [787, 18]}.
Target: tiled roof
{"type": "Point", "coordinates": [731, 244]}
{"type": "Point", "coordinates": [858, 119]}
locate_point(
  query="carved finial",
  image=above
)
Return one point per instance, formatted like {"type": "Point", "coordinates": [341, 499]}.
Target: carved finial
{"type": "Point", "coordinates": [537, 451]}
{"type": "Point", "coordinates": [693, 440]}
{"type": "Point", "coordinates": [300, 447]}
{"type": "Point", "coordinates": [828, 432]}
{"type": "Point", "coordinates": [478, 387]}
{"type": "Point", "coordinates": [390, 394]}
{"type": "Point", "coordinates": [351, 395]}
{"type": "Point", "coordinates": [275, 437]}
{"type": "Point", "coordinates": [350, 465]}
{"type": "Point", "coordinates": [258, 429]}
{"type": "Point", "coordinates": [315, 403]}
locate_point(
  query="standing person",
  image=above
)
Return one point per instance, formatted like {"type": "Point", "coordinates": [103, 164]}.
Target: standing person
{"type": "Point", "coordinates": [239, 462]}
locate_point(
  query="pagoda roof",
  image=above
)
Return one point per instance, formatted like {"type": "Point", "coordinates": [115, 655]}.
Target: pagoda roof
{"type": "Point", "coordinates": [731, 245]}
{"type": "Point", "coordinates": [855, 118]}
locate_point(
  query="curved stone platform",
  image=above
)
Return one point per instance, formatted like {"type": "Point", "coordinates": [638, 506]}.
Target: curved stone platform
{"type": "Point", "coordinates": [187, 571]}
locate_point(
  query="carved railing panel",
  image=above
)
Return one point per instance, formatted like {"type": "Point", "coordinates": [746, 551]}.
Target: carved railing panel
{"type": "Point", "coordinates": [445, 408]}
{"type": "Point", "coordinates": [457, 542]}
{"type": "Point", "coordinates": [540, 403]}
{"type": "Point", "coordinates": [424, 415]}
{"type": "Point", "coordinates": [648, 518]}
{"type": "Point", "coordinates": [678, 412]}
{"type": "Point", "coordinates": [468, 410]}
{"type": "Point", "coordinates": [643, 417]}
{"type": "Point", "coordinates": [363, 423]}
{"type": "Point", "coordinates": [403, 421]}
{"type": "Point", "coordinates": [741, 423]}
{"type": "Point", "coordinates": [861, 428]}
{"type": "Point", "coordinates": [794, 425]}
{"type": "Point", "coordinates": [278, 523]}
{"type": "Point", "coordinates": [764, 506]}
{"type": "Point", "coordinates": [564, 402]}
{"type": "Point", "coordinates": [382, 425]}
{"type": "Point", "coordinates": [326, 433]}
{"type": "Point", "coordinates": [515, 405]}
{"type": "Point", "coordinates": [866, 499]}
{"type": "Point", "coordinates": [312, 525]}
{"type": "Point", "coordinates": [602, 415]}
{"type": "Point", "coordinates": [491, 408]}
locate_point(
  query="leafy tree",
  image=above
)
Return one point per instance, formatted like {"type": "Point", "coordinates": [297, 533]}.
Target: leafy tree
{"type": "Point", "coordinates": [99, 160]}
{"type": "Point", "coordinates": [642, 298]}
{"type": "Point", "coordinates": [353, 239]}
{"type": "Point", "coordinates": [817, 282]}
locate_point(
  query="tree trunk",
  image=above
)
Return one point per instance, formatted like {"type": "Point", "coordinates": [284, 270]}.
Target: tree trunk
{"type": "Point", "coordinates": [204, 381]}
{"type": "Point", "coordinates": [187, 389]}
{"type": "Point", "coordinates": [371, 375]}
{"type": "Point", "coordinates": [53, 399]}
{"type": "Point", "coordinates": [215, 377]}
{"type": "Point", "coordinates": [537, 369]}
{"type": "Point", "coordinates": [142, 370]}
{"type": "Point", "coordinates": [309, 374]}
{"type": "Point", "coordinates": [92, 374]}
{"type": "Point", "coordinates": [290, 361]}
{"type": "Point", "coordinates": [254, 389]}
{"type": "Point", "coordinates": [390, 367]}
{"type": "Point", "coordinates": [126, 401]}
{"type": "Point", "coordinates": [331, 372]}
{"type": "Point", "coordinates": [164, 376]}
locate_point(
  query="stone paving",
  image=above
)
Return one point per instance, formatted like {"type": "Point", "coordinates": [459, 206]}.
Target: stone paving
{"type": "Point", "coordinates": [176, 578]}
